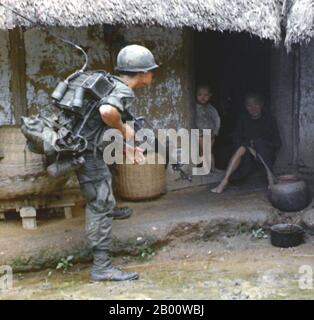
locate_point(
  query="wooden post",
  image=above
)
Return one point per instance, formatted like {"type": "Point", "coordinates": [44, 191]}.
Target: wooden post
{"type": "Point", "coordinates": [28, 215]}
{"type": "Point", "coordinates": [68, 213]}
{"type": "Point", "coordinates": [18, 68]}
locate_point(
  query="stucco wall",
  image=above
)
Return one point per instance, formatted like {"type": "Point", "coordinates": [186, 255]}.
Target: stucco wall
{"type": "Point", "coordinates": [292, 97]}
{"type": "Point", "coordinates": [49, 60]}
{"type": "Point", "coordinates": [282, 102]}
{"type": "Point", "coordinates": [306, 101]}
{"type": "Point", "coordinates": [165, 103]}
{"type": "Point", "coordinates": [6, 116]}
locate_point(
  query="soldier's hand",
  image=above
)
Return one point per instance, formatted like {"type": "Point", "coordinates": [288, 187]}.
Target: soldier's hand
{"type": "Point", "coordinates": [139, 156]}
{"type": "Point", "coordinates": [134, 155]}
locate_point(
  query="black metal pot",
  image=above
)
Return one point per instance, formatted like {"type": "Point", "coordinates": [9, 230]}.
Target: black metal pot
{"type": "Point", "coordinates": [286, 235]}
{"type": "Point", "coordinates": [290, 193]}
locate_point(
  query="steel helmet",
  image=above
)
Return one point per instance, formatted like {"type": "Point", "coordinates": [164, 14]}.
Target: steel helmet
{"type": "Point", "coordinates": [135, 58]}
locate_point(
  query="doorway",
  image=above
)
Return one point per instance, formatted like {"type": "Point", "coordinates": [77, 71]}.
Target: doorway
{"type": "Point", "coordinates": [232, 64]}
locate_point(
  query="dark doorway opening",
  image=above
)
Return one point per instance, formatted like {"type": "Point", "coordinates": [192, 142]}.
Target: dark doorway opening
{"type": "Point", "coordinates": [232, 64]}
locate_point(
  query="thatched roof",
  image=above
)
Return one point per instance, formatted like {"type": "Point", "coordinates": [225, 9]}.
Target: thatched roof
{"type": "Point", "coordinates": [300, 21]}
{"type": "Point", "coordinates": [259, 17]}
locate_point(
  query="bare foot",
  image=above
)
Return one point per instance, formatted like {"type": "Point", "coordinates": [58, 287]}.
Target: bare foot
{"type": "Point", "coordinates": [220, 188]}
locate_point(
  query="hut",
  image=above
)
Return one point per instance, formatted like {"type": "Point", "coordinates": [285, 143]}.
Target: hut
{"type": "Point", "coordinates": [235, 45]}
{"type": "Point", "coordinates": [102, 27]}
{"type": "Point", "coordinates": [299, 22]}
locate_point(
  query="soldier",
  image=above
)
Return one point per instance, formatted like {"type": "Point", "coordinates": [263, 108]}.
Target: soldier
{"type": "Point", "coordinates": [134, 64]}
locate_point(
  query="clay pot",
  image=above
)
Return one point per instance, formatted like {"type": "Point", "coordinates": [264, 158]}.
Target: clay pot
{"type": "Point", "coordinates": [290, 193]}
{"type": "Point", "coordinates": [286, 235]}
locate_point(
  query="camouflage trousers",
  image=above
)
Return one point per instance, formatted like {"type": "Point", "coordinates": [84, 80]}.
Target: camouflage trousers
{"type": "Point", "coordinates": [95, 183]}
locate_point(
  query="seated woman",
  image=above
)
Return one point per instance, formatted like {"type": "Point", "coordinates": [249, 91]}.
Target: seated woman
{"type": "Point", "coordinates": [257, 129]}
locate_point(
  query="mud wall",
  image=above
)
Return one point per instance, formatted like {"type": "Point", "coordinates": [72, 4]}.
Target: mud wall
{"type": "Point", "coordinates": [49, 60]}
{"type": "Point", "coordinates": [6, 116]}
{"type": "Point", "coordinates": [292, 96]}
{"type": "Point", "coordinates": [306, 105]}
{"type": "Point", "coordinates": [282, 103]}
{"type": "Point", "coordinates": [165, 103]}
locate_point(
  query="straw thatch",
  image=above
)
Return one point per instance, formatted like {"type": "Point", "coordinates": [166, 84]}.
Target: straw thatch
{"type": "Point", "coordinates": [300, 21]}
{"type": "Point", "coordinates": [259, 17]}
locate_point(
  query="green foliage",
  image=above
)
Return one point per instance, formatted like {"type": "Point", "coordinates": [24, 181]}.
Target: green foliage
{"type": "Point", "coordinates": [146, 253]}
{"type": "Point", "coordinates": [259, 234]}
{"type": "Point", "coordinates": [65, 263]}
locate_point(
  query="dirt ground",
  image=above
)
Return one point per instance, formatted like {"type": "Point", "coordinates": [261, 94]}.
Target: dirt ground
{"type": "Point", "coordinates": [189, 244]}
{"type": "Point", "coordinates": [190, 211]}
{"type": "Point", "coordinates": [232, 268]}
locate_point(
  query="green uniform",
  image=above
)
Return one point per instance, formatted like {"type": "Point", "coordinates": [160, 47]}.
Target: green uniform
{"type": "Point", "coordinates": [95, 177]}
{"type": "Point", "coordinates": [53, 136]}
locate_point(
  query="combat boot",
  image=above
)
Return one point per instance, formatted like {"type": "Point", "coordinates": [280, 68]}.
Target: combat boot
{"type": "Point", "coordinates": [103, 270]}
{"type": "Point", "coordinates": [122, 213]}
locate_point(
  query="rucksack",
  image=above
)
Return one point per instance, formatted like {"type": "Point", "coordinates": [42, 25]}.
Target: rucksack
{"type": "Point", "coordinates": [56, 130]}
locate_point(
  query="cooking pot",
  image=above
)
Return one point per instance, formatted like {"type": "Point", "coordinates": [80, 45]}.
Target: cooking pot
{"type": "Point", "coordinates": [289, 193]}
{"type": "Point", "coordinates": [286, 235]}
{"type": "Point", "coordinates": [286, 192]}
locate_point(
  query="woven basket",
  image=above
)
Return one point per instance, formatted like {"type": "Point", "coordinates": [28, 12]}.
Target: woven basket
{"type": "Point", "coordinates": [22, 173]}
{"type": "Point", "coordinates": [140, 181]}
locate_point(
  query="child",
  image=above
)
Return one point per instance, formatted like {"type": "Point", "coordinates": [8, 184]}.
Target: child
{"type": "Point", "coordinates": [207, 117]}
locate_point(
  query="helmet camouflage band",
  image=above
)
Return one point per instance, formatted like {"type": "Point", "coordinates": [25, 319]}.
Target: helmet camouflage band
{"type": "Point", "coordinates": [135, 58]}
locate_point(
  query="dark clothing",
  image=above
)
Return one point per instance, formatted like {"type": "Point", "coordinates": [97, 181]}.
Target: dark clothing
{"type": "Point", "coordinates": [95, 184]}
{"type": "Point", "coordinates": [95, 177]}
{"type": "Point", "coordinates": [264, 129]}
{"type": "Point", "coordinates": [261, 133]}
{"type": "Point", "coordinates": [121, 97]}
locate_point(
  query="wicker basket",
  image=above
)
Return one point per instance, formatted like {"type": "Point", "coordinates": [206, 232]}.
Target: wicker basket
{"type": "Point", "coordinates": [22, 173]}
{"type": "Point", "coordinates": [140, 181]}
